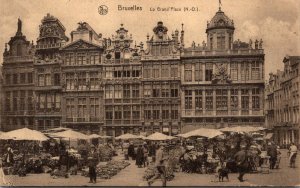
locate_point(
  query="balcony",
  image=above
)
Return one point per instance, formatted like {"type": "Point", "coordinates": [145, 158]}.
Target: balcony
{"type": "Point", "coordinates": [47, 46]}
{"type": "Point", "coordinates": [16, 59]}
{"type": "Point", "coordinates": [121, 61]}
{"type": "Point", "coordinates": [150, 57]}
{"type": "Point", "coordinates": [199, 52]}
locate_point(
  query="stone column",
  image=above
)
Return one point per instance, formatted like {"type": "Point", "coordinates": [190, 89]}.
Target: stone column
{"type": "Point", "coordinates": [214, 102]}
{"type": "Point", "coordinates": [250, 101]}
{"type": "Point", "coordinates": [203, 101]}
{"type": "Point", "coordinates": [240, 102]}
{"type": "Point", "coordinates": [193, 102]}
{"type": "Point", "coordinates": [228, 101]}
{"type": "Point", "coordinates": [203, 71]}
{"type": "Point", "coordinates": [193, 72]}
{"type": "Point", "coordinates": [239, 71]}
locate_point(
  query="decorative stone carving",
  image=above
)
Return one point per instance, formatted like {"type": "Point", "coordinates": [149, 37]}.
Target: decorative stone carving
{"type": "Point", "coordinates": [221, 75]}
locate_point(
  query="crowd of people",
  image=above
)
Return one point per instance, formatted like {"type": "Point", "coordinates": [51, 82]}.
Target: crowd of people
{"type": "Point", "coordinates": [240, 155]}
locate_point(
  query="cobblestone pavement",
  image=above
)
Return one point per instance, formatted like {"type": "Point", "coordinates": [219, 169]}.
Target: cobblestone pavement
{"type": "Point", "coordinates": [132, 176]}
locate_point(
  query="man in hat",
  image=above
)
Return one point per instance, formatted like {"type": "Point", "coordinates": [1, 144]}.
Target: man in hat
{"type": "Point", "coordinates": [272, 152]}
{"type": "Point", "coordinates": [160, 160]}
{"type": "Point", "coordinates": [92, 162]}
{"type": "Point", "coordinates": [241, 161]}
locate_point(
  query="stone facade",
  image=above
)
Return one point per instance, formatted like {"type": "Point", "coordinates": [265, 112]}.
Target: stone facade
{"type": "Point", "coordinates": [282, 102]}
{"type": "Point", "coordinates": [18, 85]}
{"type": "Point", "coordinates": [113, 86]}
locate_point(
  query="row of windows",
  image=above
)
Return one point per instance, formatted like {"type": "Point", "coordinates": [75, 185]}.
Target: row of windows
{"type": "Point", "coordinates": [83, 107]}
{"type": "Point", "coordinates": [122, 91]}
{"type": "Point", "coordinates": [81, 58]}
{"type": "Point", "coordinates": [204, 71]}
{"type": "Point", "coordinates": [122, 112]}
{"type": "Point", "coordinates": [205, 99]}
{"type": "Point", "coordinates": [82, 80]}
{"type": "Point", "coordinates": [21, 78]}
{"type": "Point", "coordinates": [160, 71]}
{"type": "Point", "coordinates": [164, 90]}
{"type": "Point", "coordinates": [19, 100]}
{"type": "Point", "coordinates": [161, 112]}
{"type": "Point", "coordinates": [49, 79]}
{"type": "Point", "coordinates": [49, 100]}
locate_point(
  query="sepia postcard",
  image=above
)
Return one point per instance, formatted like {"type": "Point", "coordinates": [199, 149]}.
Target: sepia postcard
{"type": "Point", "coordinates": [149, 93]}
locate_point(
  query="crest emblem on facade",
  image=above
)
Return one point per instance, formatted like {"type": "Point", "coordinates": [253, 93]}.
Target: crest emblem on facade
{"type": "Point", "coordinates": [221, 75]}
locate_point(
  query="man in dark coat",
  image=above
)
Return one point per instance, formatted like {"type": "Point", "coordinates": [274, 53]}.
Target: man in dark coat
{"type": "Point", "coordinates": [131, 151]}
{"type": "Point", "coordinates": [139, 156]}
{"type": "Point", "coordinates": [272, 152]}
{"type": "Point", "coordinates": [242, 163]}
{"type": "Point", "coordinates": [92, 162]}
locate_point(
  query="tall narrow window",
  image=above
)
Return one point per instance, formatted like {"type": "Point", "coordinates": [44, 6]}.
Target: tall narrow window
{"type": "Point", "coordinates": [174, 90]}
{"type": "Point", "coordinates": [245, 101]}
{"type": "Point", "coordinates": [135, 91]}
{"type": "Point", "coordinates": [174, 112]}
{"type": "Point", "coordinates": [221, 42]}
{"type": "Point", "coordinates": [22, 100]}
{"type": "Point", "coordinates": [165, 90]}
{"type": "Point", "coordinates": [156, 91]}
{"type": "Point", "coordinates": [255, 99]}
{"type": "Point", "coordinates": [208, 71]}
{"type": "Point", "coordinates": [198, 72]}
{"type": "Point", "coordinates": [109, 91]}
{"type": "Point", "coordinates": [188, 99]}
{"type": "Point", "coordinates": [255, 73]}
{"type": "Point", "coordinates": [234, 71]}
{"type": "Point", "coordinates": [118, 92]}
{"type": "Point", "coordinates": [198, 99]}
{"type": "Point", "coordinates": [15, 100]}
{"type": "Point", "coordinates": [221, 101]}
{"type": "Point", "coordinates": [165, 73]}
{"type": "Point", "coordinates": [209, 100]}
{"type": "Point", "coordinates": [174, 71]}
{"type": "Point", "coordinates": [234, 101]}
{"type": "Point", "coordinates": [81, 58]}
{"type": "Point", "coordinates": [188, 72]}
{"type": "Point", "coordinates": [147, 90]}
{"type": "Point", "coordinates": [165, 111]}
{"type": "Point", "coordinates": [156, 70]}
{"type": "Point", "coordinates": [244, 71]}
{"type": "Point", "coordinates": [126, 91]}
{"type": "Point", "coordinates": [95, 58]}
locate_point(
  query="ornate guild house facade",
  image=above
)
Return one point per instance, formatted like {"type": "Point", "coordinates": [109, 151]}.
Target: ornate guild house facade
{"type": "Point", "coordinates": [113, 86]}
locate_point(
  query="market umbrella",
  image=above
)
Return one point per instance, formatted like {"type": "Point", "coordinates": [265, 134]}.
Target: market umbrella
{"type": "Point", "coordinates": [159, 136]}
{"type": "Point", "coordinates": [58, 129]}
{"type": "Point", "coordinates": [242, 129]}
{"type": "Point", "coordinates": [92, 136]}
{"type": "Point", "coordinates": [26, 134]}
{"type": "Point", "coordinates": [70, 135]}
{"type": "Point", "coordinates": [127, 136]}
{"type": "Point", "coordinates": [3, 136]}
{"type": "Point", "coordinates": [203, 132]}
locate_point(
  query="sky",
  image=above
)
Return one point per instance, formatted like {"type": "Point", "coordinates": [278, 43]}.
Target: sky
{"type": "Point", "coordinates": [277, 22]}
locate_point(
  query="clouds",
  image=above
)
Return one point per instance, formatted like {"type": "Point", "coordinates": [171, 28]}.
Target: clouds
{"type": "Point", "coordinates": [276, 21]}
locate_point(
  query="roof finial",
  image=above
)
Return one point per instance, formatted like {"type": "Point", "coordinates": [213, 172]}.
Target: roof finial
{"type": "Point", "coordinates": [19, 31]}
{"type": "Point", "coordinates": [220, 4]}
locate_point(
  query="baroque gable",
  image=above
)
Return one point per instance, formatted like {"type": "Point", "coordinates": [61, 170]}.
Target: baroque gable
{"type": "Point", "coordinates": [81, 45]}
